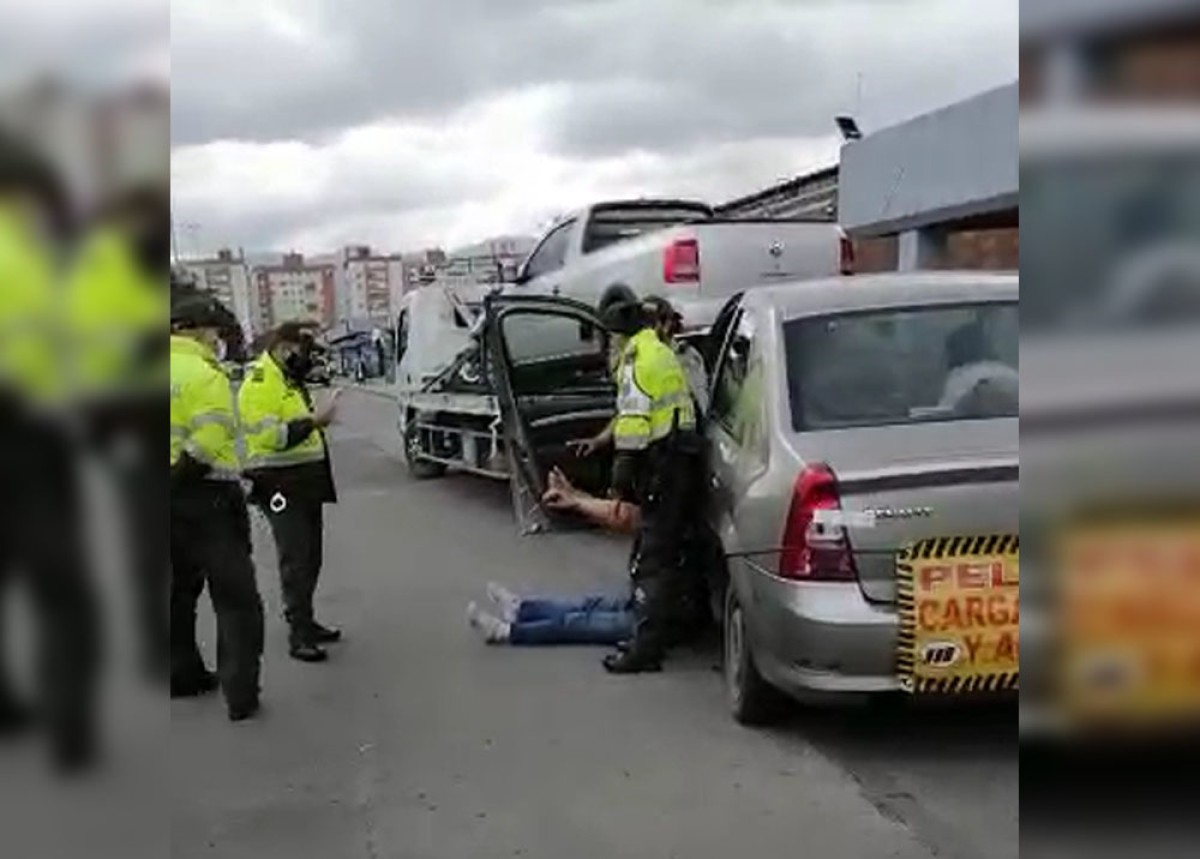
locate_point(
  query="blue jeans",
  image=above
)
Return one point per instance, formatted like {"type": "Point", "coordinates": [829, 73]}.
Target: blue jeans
{"type": "Point", "coordinates": [587, 620]}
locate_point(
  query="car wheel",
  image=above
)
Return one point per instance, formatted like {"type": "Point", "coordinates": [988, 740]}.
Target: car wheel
{"type": "Point", "coordinates": [752, 700]}
{"type": "Point", "coordinates": [421, 469]}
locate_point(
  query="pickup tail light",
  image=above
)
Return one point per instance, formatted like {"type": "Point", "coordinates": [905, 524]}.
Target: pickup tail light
{"type": "Point", "coordinates": [681, 261]}
{"type": "Point", "coordinates": [814, 551]}
{"type": "Point", "coordinates": [846, 252]}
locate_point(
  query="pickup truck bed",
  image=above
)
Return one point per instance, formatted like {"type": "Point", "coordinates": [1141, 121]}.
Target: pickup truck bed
{"type": "Point", "coordinates": [678, 250]}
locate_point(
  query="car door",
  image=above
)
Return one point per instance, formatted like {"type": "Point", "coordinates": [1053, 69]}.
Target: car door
{"type": "Point", "coordinates": [548, 362]}
{"type": "Point", "coordinates": [736, 425]}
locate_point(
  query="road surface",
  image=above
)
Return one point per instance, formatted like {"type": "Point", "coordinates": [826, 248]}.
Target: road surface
{"type": "Point", "coordinates": [417, 741]}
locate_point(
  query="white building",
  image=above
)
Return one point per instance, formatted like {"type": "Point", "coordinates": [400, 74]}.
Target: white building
{"type": "Point", "coordinates": [482, 264]}
{"type": "Point", "coordinates": [370, 284]}
{"type": "Point", "coordinates": [295, 290]}
{"type": "Point", "coordinates": [228, 277]}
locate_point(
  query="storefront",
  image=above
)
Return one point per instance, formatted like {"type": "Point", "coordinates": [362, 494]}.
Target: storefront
{"type": "Point", "coordinates": [938, 191]}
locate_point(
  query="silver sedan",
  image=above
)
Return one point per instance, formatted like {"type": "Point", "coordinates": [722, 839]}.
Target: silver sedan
{"type": "Point", "coordinates": [864, 469]}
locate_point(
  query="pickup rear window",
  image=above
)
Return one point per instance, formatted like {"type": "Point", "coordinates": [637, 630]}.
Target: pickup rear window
{"type": "Point", "coordinates": [611, 224]}
{"type": "Point", "coordinates": [903, 366]}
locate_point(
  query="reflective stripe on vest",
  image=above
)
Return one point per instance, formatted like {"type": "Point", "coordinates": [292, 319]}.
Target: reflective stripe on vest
{"type": "Point", "coordinates": [203, 421]}
{"type": "Point", "coordinates": [268, 403]}
{"type": "Point", "coordinates": [654, 397]}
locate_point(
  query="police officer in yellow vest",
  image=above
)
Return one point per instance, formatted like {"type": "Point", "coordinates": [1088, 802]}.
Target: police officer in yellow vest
{"type": "Point", "coordinates": [656, 464]}
{"type": "Point", "coordinates": [116, 312]}
{"type": "Point", "coordinates": [41, 527]}
{"type": "Point", "coordinates": [288, 462]}
{"type": "Point", "coordinates": [210, 527]}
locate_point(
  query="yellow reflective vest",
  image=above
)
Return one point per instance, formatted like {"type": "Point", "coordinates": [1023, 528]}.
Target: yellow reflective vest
{"type": "Point", "coordinates": [653, 395]}
{"type": "Point", "coordinates": [114, 309]}
{"type": "Point", "coordinates": [30, 342]}
{"type": "Point", "coordinates": [203, 417]}
{"type": "Point", "coordinates": [268, 403]}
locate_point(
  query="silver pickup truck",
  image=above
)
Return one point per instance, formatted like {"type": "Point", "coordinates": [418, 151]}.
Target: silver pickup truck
{"type": "Point", "coordinates": [678, 249]}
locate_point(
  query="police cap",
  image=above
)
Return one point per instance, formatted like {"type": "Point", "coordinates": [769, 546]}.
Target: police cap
{"type": "Point", "coordinates": [200, 310]}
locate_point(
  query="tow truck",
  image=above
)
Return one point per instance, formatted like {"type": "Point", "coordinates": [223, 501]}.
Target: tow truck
{"type": "Point", "coordinates": [497, 385]}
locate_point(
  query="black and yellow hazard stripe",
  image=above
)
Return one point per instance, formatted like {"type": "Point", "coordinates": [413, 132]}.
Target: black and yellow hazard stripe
{"type": "Point", "coordinates": [906, 602]}
{"type": "Point", "coordinates": [1007, 681]}
{"type": "Point", "coordinates": [982, 546]}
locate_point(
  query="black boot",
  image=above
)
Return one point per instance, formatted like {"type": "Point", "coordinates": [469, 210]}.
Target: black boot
{"type": "Point", "coordinates": [630, 659]}
{"type": "Point", "coordinates": [240, 711]}
{"type": "Point", "coordinates": [319, 634]}
{"type": "Point", "coordinates": [307, 651]}
{"type": "Point", "coordinates": [15, 719]}
{"type": "Point", "coordinates": [193, 685]}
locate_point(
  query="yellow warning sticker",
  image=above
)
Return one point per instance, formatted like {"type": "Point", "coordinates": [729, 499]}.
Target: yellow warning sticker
{"type": "Point", "coordinates": [1129, 621]}
{"type": "Point", "coordinates": [958, 600]}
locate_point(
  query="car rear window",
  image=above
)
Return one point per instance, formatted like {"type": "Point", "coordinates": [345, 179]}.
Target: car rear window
{"type": "Point", "coordinates": [609, 225]}
{"type": "Point", "coordinates": [903, 366]}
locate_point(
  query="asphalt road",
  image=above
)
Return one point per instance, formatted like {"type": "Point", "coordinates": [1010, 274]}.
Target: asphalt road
{"type": "Point", "coordinates": [418, 741]}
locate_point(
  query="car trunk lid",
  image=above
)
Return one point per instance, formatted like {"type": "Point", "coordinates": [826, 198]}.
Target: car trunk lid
{"type": "Point", "coordinates": [928, 482]}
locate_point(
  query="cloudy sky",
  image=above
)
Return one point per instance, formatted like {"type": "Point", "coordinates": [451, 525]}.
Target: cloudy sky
{"type": "Point", "coordinates": [405, 123]}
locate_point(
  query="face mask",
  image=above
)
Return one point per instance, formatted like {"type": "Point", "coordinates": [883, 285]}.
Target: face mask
{"type": "Point", "coordinates": [221, 349]}
{"type": "Point", "coordinates": [297, 365]}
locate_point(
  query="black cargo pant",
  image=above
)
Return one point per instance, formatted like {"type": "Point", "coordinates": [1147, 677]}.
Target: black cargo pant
{"type": "Point", "coordinates": [671, 505]}
{"type": "Point", "coordinates": [300, 543]}
{"type": "Point", "coordinates": [210, 545]}
{"type": "Point", "coordinates": [131, 437]}
{"type": "Point", "coordinates": [42, 545]}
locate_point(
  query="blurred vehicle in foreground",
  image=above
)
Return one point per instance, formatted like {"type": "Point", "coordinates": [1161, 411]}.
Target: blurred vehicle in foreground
{"type": "Point", "coordinates": [864, 487]}
{"type": "Point", "coordinates": [1110, 421]}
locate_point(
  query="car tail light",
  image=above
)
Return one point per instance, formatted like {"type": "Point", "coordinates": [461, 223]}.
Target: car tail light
{"type": "Point", "coordinates": [814, 551]}
{"type": "Point", "coordinates": [847, 254]}
{"type": "Point", "coordinates": [681, 261]}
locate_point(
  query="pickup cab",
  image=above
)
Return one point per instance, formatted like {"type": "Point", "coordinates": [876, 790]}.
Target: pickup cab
{"type": "Point", "coordinates": [678, 249]}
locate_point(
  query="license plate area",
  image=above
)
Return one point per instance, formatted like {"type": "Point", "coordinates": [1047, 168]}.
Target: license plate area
{"type": "Point", "coordinates": [958, 604]}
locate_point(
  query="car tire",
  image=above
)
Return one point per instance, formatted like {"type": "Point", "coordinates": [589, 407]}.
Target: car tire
{"type": "Point", "coordinates": [421, 469]}
{"type": "Point", "coordinates": [752, 700]}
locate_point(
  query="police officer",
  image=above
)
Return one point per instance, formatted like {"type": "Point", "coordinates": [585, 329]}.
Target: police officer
{"type": "Point", "coordinates": [669, 323]}
{"type": "Point", "coordinates": [117, 305]}
{"type": "Point", "coordinates": [288, 461]}
{"type": "Point", "coordinates": [657, 466]}
{"type": "Point", "coordinates": [210, 527]}
{"type": "Point", "coordinates": [41, 531]}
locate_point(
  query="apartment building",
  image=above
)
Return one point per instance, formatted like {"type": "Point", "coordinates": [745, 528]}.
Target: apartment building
{"type": "Point", "coordinates": [227, 276]}
{"type": "Point", "coordinates": [370, 284]}
{"type": "Point", "coordinates": [295, 289]}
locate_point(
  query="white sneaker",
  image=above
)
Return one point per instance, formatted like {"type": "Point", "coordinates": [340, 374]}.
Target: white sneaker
{"type": "Point", "coordinates": [508, 602]}
{"type": "Point", "coordinates": [493, 629]}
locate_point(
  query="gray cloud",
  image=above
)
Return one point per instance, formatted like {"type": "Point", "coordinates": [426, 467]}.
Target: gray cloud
{"type": "Point", "coordinates": [708, 98]}
{"type": "Point", "coordinates": [651, 75]}
{"type": "Point", "coordinates": [85, 43]}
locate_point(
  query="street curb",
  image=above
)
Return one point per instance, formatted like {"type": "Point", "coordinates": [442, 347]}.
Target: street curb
{"type": "Point", "coordinates": [384, 393]}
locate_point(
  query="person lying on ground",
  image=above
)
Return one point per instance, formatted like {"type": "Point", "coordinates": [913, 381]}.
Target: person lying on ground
{"type": "Point", "coordinates": [538, 621]}
{"type": "Point", "coordinates": [594, 619]}
{"type": "Point", "coordinates": [533, 621]}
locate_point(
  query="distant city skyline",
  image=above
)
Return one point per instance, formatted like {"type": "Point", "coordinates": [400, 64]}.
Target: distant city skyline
{"type": "Point", "coordinates": [356, 284]}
